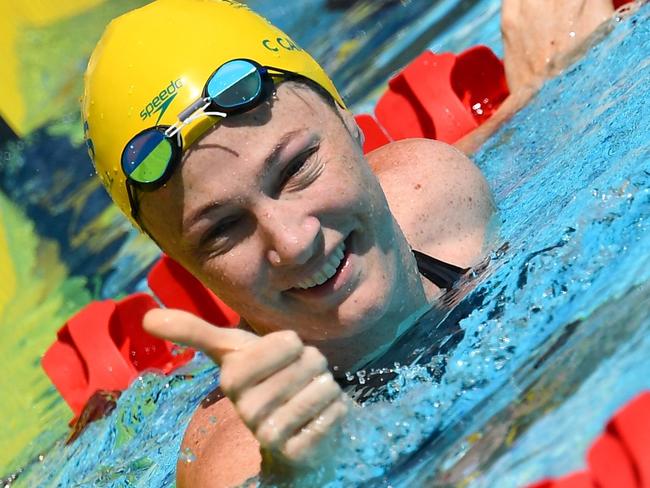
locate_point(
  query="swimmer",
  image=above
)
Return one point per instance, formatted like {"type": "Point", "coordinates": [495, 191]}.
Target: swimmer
{"type": "Point", "coordinates": [225, 142]}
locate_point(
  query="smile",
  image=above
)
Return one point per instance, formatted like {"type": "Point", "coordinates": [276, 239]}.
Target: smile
{"type": "Point", "coordinates": [326, 272]}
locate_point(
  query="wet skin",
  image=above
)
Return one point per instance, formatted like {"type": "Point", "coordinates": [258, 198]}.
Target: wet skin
{"type": "Point", "coordinates": [412, 193]}
{"type": "Point", "coordinates": [258, 207]}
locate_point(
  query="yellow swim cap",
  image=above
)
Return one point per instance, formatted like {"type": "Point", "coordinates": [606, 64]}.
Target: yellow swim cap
{"type": "Point", "coordinates": [153, 62]}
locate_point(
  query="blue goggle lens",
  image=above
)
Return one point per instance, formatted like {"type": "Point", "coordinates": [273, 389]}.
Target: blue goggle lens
{"type": "Point", "coordinates": [147, 156]}
{"type": "Point", "coordinates": [235, 84]}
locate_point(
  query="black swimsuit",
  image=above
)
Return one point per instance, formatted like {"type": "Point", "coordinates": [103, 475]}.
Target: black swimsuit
{"type": "Point", "coordinates": [441, 274]}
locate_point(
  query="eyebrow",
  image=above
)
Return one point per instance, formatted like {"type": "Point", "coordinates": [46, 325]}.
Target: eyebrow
{"type": "Point", "coordinates": [269, 161]}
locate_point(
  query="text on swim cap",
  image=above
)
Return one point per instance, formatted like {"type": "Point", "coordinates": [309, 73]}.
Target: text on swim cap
{"type": "Point", "coordinates": [161, 101]}
{"type": "Point", "coordinates": [280, 43]}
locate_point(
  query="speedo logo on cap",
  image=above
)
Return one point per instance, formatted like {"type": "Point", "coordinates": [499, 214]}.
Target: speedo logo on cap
{"type": "Point", "coordinates": [160, 103]}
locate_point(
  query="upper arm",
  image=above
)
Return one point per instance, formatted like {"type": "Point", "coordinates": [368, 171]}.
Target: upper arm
{"type": "Point", "coordinates": [439, 197]}
{"type": "Point", "coordinates": [223, 451]}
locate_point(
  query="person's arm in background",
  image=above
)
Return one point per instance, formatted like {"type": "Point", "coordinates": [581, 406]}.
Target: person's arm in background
{"type": "Point", "coordinates": [540, 38]}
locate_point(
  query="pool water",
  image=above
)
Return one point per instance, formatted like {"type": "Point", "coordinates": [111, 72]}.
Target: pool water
{"type": "Point", "coordinates": [561, 337]}
{"type": "Point", "coordinates": [543, 345]}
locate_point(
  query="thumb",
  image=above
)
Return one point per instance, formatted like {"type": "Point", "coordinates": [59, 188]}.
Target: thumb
{"type": "Point", "coordinates": [188, 329]}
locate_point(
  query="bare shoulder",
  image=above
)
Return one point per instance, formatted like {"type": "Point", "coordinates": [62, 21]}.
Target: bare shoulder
{"type": "Point", "coordinates": [219, 449]}
{"type": "Point", "coordinates": [439, 197]}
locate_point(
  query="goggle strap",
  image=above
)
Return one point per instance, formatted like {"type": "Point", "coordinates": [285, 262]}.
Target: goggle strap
{"type": "Point", "coordinates": [132, 202]}
{"type": "Point", "coordinates": [195, 116]}
{"type": "Point", "coordinates": [174, 130]}
{"type": "Point", "coordinates": [190, 114]}
{"type": "Point", "coordinates": [278, 71]}
{"type": "Point", "coordinates": [216, 114]}
{"type": "Point", "coordinates": [199, 104]}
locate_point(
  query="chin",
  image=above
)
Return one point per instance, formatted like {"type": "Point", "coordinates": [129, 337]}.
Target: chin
{"type": "Point", "coordinates": [363, 315]}
{"type": "Point", "coordinates": [355, 337]}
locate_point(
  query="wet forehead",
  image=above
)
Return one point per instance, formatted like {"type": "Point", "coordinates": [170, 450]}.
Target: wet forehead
{"type": "Point", "coordinates": [230, 159]}
{"type": "Point", "coordinates": [252, 140]}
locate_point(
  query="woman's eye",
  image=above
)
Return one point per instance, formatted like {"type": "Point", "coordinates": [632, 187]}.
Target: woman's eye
{"type": "Point", "coordinates": [301, 171]}
{"type": "Point", "coordinates": [222, 236]}
{"type": "Point", "coordinates": [295, 167]}
{"type": "Point", "coordinates": [221, 228]}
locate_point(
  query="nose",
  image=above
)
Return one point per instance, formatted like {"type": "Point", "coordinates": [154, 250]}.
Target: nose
{"type": "Point", "coordinates": [291, 236]}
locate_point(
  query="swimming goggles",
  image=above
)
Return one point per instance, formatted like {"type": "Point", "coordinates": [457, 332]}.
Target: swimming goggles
{"type": "Point", "coordinates": [235, 87]}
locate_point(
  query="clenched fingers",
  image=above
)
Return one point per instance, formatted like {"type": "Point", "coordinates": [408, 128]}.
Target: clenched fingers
{"type": "Point", "coordinates": [301, 447]}
{"type": "Point", "coordinates": [285, 421]}
{"type": "Point", "coordinates": [249, 366]}
{"type": "Point", "coordinates": [258, 402]}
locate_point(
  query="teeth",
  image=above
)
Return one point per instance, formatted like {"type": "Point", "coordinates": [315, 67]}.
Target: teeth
{"type": "Point", "coordinates": [327, 271]}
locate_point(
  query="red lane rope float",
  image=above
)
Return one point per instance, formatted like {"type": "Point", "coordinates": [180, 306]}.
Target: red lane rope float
{"type": "Point", "coordinates": [437, 96]}
{"type": "Point", "coordinates": [175, 287]}
{"type": "Point", "coordinates": [374, 135]}
{"type": "Point", "coordinates": [620, 456]}
{"type": "Point", "coordinates": [619, 3]}
{"type": "Point", "coordinates": [609, 463]}
{"type": "Point", "coordinates": [103, 347]}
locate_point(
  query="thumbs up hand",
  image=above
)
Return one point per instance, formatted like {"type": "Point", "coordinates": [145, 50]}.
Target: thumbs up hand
{"type": "Point", "coordinates": [281, 389]}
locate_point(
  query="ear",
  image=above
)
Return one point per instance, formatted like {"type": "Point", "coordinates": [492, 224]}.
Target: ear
{"type": "Point", "coordinates": [351, 125]}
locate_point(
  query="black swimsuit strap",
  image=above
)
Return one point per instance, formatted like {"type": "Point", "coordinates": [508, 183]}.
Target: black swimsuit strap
{"type": "Point", "coordinates": [442, 274]}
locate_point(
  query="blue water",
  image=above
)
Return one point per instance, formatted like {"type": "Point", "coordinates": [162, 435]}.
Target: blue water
{"type": "Point", "coordinates": [553, 334]}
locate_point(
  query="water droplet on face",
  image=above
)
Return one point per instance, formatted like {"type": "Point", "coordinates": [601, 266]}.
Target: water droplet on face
{"type": "Point", "coordinates": [212, 419]}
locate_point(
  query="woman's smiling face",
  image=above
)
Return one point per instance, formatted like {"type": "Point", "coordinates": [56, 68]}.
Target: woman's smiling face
{"type": "Point", "coordinates": [277, 211]}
